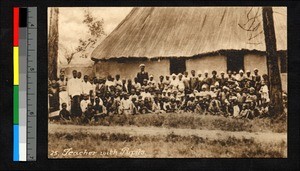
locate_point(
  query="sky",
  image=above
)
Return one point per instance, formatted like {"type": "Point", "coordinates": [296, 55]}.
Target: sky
{"type": "Point", "coordinates": [71, 28]}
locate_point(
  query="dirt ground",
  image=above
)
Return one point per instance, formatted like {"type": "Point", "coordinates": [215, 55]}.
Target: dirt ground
{"type": "Point", "coordinates": [264, 137]}
{"type": "Point", "coordinates": [132, 141]}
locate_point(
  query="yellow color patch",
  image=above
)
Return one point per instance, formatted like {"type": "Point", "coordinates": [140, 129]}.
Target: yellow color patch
{"type": "Point", "coordinates": [16, 65]}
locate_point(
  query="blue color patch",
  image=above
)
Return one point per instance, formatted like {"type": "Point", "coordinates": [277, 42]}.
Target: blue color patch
{"type": "Point", "coordinates": [16, 143]}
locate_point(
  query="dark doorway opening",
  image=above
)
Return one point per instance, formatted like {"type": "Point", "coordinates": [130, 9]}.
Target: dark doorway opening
{"type": "Point", "coordinates": [177, 66]}
{"type": "Point", "coordinates": [235, 62]}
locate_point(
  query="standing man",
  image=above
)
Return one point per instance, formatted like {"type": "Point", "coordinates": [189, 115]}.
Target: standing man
{"type": "Point", "coordinates": [63, 94]}
{"type": "Point", "coordinates": [142, 75]}
{"type": "Point", "coordinates": [223, 80]}
{"type": "Point", "coordinates": [74, 91]}
{"type": "Point", "coordinates": [86, 86]}
{"type": "Point", "coordinates": [193, 80]}
{"type": "Point", "coordinates": [256, 79]}
{"type": "Point", "coordinates": [241, 78]}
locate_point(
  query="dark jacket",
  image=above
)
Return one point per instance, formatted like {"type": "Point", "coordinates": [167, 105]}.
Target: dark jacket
{"type": "Point", "coordinates": [141, 76]}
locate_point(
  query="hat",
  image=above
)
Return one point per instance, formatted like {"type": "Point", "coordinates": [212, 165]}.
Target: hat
{"type": "Point", "coordinates": [217, 83]}
{"type": "Point", "coordinates": [142, 65]}
{"type": "Point", "coordinates": [241, 71]}
{"type": "Point", "coordinates": [255, 69]}
{"type": "Point", "coordinates": [222, 72]}
{"type": "Point", "coordinates": [206, 72]}
{"type": "Point", "coordinates": [161, 76]}
{"type": "Point", "coordinates": [248, 71]}
{"type": "Point", "coordinates": [199, 72]}
{"type": "Point", "coordinates": [179, 74]}
{"type": "Point", "coordinates": [173, 75]}
{"type": "Point", "coordinates": [151, 76]}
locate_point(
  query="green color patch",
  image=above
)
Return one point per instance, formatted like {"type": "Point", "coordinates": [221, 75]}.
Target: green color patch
{"type": "Point", "coordinates": [16, 105]}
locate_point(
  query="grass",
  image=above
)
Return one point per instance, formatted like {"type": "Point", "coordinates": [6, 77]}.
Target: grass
{"type": "Point", "coordinates": [170, 144]}
{"type": "Point", "coordinates": [194, 121]}
{"type": "Point", "coordinates": [159, 146]}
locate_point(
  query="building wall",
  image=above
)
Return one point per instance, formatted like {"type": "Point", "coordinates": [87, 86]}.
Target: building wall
{"type": "Point", "coordinates": [129, 69]}
{"type": "Point", "coordinates": [208, 63]}
{"type": "Point", "coordinates": [156, 68]}
{"type": "Point", "coordinates": [255, 61]}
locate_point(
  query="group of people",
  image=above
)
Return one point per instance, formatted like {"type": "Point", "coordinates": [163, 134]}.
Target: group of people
{"type": "Point", "coordinates": [238, 95]}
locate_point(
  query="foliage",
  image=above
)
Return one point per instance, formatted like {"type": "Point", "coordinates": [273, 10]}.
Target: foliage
{"type": "Point", "coordinates": [95, 30]}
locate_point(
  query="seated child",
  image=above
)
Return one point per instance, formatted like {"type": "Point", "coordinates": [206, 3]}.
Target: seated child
{"type": "Point", "coordinates": [173, 105]}
{"type": "Point", "coordinates": [64, 114]}
{"type": "Point", "coordinates": [88, 114]}
{"type": "Point", "coordinates": [99, 108]}
{"type": "Point", "coordinates": [191, 104]}
{"type": "Point", "coordinates": [126, 105]}
{"type": "Point", "coordinates": [214, 107]}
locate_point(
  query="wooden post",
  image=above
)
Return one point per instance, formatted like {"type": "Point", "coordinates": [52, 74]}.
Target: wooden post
{"type": "Point", "coordinates": [53, 44]}
{"type": "Point", "coordinates": [275, 89]}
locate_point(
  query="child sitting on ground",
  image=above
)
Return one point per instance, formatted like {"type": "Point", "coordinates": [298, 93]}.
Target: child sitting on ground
{"type": "Point", "coordinates": [191, 105]}
{"type": "Point", "coordinates": [64, 114]}
{"type": "Point", "coordinates": [88, 115]}
{"type": "Point", "coordinates": [99, 108]}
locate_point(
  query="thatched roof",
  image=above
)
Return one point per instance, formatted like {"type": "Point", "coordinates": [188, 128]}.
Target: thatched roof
{"type": "Point", "coordinates": [153, 32]}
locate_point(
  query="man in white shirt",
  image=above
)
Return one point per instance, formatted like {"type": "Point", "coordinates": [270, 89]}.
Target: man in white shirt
{"type": "Point", "coordinates": [84, 103]}
{"type": "Point", "coordinates": [74, 91]}
{"type": "Point", "coordinates": [174, 82]}
{"type": "Point", "coordinates": [63, 94]}
{"type": "Point", "coordinates": [136, 84]}
{"type": "Point", "coordinates": [151, 81]}
{"type": "Point", "coordinates": [86, 86]}
{"type": "Point", "coordinates": [180, 83]}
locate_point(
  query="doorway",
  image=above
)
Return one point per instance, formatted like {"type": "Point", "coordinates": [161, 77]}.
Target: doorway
{"type": "Point", "coordinates": [235, 63]}
{"type": "Point", "coordinates": [177, 66]}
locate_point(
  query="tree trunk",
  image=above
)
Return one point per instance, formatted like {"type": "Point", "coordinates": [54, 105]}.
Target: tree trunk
{"type": "Point", "coordinates": [275, 89]}
{"type": "Point", "coordinates": [53, 44]}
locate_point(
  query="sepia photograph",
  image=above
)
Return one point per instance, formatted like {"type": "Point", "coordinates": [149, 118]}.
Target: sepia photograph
{"type": "Point", "coordinates": [167, 82]}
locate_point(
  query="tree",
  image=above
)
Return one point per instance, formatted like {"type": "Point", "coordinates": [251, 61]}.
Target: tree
{"type": "Point", "coordinates": [53, 44]}
{"type": "Point", "coordinates": [275, 90]}
{"type": "Point", "coordinates": [95, 29]}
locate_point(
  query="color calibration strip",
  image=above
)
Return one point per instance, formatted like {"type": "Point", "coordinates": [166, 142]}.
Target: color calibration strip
{"type": "Point", "coordinates": [24, 92]}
